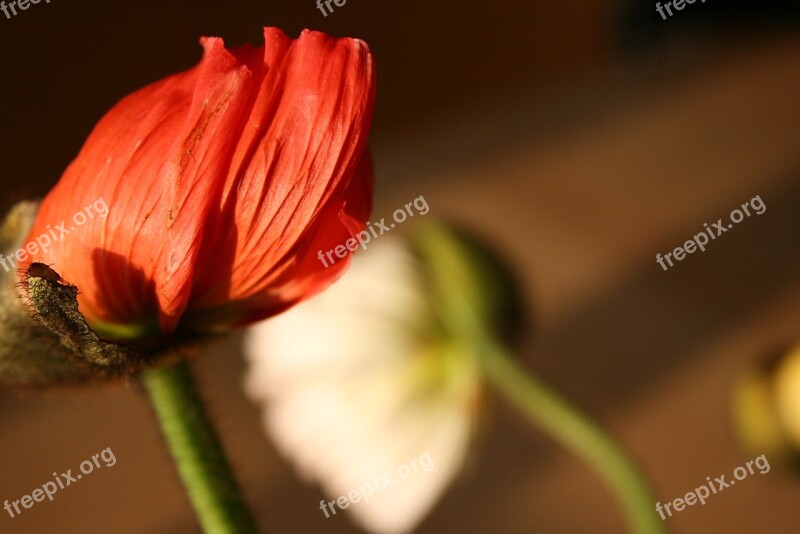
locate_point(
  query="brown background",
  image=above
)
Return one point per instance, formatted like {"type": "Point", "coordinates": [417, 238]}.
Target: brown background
{"type": "Point", "coordinates": [526, 121]}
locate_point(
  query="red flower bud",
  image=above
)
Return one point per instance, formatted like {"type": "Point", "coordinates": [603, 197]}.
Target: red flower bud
{"type": "Point", "coordinates": [220, 184]}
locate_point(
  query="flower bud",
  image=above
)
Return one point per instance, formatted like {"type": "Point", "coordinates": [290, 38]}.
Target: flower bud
{"type": "Point", "coordinates": [199, 202]}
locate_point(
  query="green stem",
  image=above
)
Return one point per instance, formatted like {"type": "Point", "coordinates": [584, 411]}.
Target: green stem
{"type": "Point", "coordinates": [578, 433]}
{"type": "Point", "coordinates": [466, 289]}
{"type": "Point", "coordinates": [193, 443]}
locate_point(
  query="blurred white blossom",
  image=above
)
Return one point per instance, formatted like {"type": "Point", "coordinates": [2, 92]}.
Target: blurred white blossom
{"type": "Point", "coordinates": [359, 380]}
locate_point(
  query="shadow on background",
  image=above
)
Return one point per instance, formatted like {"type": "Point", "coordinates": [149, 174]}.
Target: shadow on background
{"type": "Point", "coordinates": [645, 329]}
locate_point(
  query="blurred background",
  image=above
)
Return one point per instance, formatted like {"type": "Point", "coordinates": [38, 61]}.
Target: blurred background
{"type": "Point", "coordinates": [580, 137]}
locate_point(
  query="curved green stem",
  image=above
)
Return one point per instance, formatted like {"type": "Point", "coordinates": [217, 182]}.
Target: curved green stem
{"type": "Point", "coordinates": [193, 443]}
{"type": "Point", "coordinates": [466, 289]}
{"type": "Point", "coordinates": [576, 432]}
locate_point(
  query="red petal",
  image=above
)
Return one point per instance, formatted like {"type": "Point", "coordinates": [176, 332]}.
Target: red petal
{"type": "Point", "coordinates": [158, 159]}
{"type": "Point", "coordinates": [219, 180]}
{"type": "Point", "coordinates": [303, 275]}
{"type": "Point", "coordinates": [308, 129]}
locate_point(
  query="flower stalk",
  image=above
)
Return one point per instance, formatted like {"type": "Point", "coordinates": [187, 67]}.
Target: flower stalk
{"type": "Point", "coordinates": [466, 290]}
{"type": "Point", "coordinates": [574, 429]}
{"type": "Point", "coordinates": [197, 451]}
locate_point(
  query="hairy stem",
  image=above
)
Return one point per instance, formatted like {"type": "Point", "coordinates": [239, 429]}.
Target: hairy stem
{"type": "Point", "coordinates": [193, 443]}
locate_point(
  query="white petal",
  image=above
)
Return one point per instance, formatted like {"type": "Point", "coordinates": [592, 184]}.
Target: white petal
{"type": "Point", "coordinates": [339, 378]}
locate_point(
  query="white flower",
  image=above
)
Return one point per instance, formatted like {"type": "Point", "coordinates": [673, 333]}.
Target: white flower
{"type": "Point", "coordinates": [360, 382]}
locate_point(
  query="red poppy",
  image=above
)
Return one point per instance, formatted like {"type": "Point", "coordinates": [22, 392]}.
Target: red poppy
{"type": "Point", "coordinates": [220, 184]}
